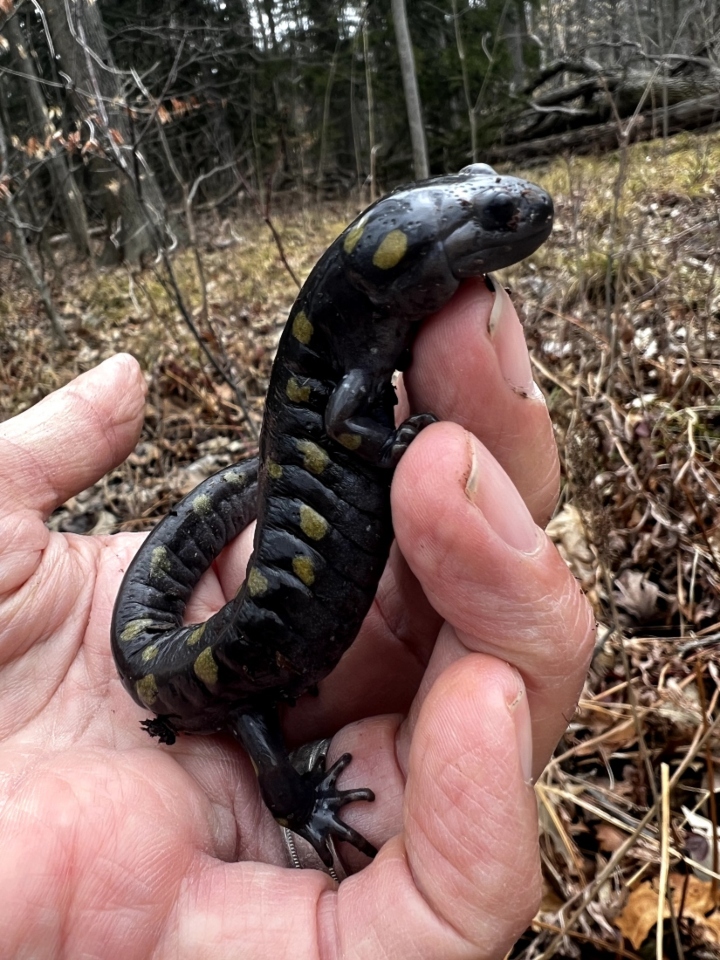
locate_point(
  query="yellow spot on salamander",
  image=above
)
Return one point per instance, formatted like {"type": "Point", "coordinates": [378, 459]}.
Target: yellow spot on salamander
{"type": "Point", "coordinates": [196, 635]}
{"type": "Point", "coordinates": [149, 653]}
{"type": "Point", "coordinates": [302, 328]}
{"type": "Point", "coordinates": [297, 393]}
{"type": "Point", "coordinates": [351, 441]}
{"type": "Point", "coordinates": [206, 667]}
{"type": "Point", "coordinates": [135, 628]}
{"type": "Point", "coordinates": [257, 584]}
{"type": "Point", "coordinates": [274, 469]}
{"type": "Point", "coordinates": [304, 570]}
{"type": "Point", "coordinates": [391, 250]}
{"type": "Point", "coordinates": [236, 478]}
{"type": "Point", "coordinates": [159, 562]}
{"type": "Point", "coordinates": [311, 523]}
{"type": "Point", "coordinates": [202, 505]}
{"type": "Point", "coordinates": [314, 457]}
{"type": "Point", "coordinates": [147, 690]}
{"type": "Point", "coordinates": [353, 237]}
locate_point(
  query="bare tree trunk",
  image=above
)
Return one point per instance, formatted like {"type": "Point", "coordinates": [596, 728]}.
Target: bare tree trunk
{"type": "Point", "coordinates": [371, 114]}
{"type": "Point", "coordinates": [134, 206]}
{"type": "Point", "coordinates": [65, 189]}
{"type": "Point", "coordinates": [221, 137]}
{"type": "Point", "coordinates": [326, 120]}
{"type": "Point", "coordinates": [21, 246]}
{"type": "Point", "coordinates": [412, 94]}
{"type": "Point", "coordinates": [472, 116]}
{"type": "Point", "coordinates": [515, 37]}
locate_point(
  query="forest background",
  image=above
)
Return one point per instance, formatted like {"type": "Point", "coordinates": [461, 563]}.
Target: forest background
{"type": "Point", "coordinates": [170, 171]}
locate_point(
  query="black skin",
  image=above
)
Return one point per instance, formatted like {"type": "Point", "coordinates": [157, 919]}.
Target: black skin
{"type": "Point", "coordinates": [320, 490]}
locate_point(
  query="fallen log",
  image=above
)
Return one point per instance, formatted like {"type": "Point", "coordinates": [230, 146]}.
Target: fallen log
{"type": "Point", "coordinates": [699, 113]}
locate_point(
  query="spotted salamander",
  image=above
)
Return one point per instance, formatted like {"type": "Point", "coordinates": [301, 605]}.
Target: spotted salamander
{"type": "Point", "coordinates": [320, 489]}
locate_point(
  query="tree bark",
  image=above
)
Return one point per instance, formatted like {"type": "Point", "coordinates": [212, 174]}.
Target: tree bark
{"type": "Point", "coordinates": [134, 206]}
{"type": "Point", "coordinates": [21, 245]}
{"type": "Point", "coordinates": [469, 105]}
{"type": "Point", "coordinates": [410, 85]}
{"type": "Point", "coordinates": [69, 198]}
{"type": "Point", "coordinates": [371, 112]}
{"type": "Point", "coordinates": [515, 37]}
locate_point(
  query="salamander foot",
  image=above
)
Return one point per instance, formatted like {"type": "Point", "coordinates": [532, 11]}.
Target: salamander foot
{"type": "Point", "coordinates": [323, 821]}
{"type": "Point", "coordinates": [299, 792]}
{"type": "Point", "coordinates": [161, 728]}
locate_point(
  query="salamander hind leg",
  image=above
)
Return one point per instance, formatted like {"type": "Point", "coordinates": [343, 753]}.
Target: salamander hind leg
{"type": "Point", "coordinates": [306, 803]}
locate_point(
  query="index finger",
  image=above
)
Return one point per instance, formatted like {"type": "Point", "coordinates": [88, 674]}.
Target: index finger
{"type": "Point", "coordinates": [471, 366]}
{"type": "Point", "coordinates": [493, 574]}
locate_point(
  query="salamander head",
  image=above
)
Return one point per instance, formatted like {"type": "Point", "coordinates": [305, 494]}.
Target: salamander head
{"type": "Point", "coordinates": [410, 250]}
{"type": "Point", "coordinates": [491, 221]}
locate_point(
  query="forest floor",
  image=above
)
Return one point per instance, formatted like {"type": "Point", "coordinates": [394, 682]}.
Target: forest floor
{"type": "Point", "coordinates": [622, 314]}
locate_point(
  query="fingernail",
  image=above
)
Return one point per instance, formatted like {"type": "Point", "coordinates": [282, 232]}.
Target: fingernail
{"type": "Point", "coordinates": [520, 714]}
{"type": "Point", "coordinates": [492, 491]}
{"type": "Point", "coordinates": [506, 336]}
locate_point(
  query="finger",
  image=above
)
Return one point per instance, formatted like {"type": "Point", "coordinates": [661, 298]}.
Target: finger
{"type": "Point", "coordinates": [469, 829]}
{"type": "Point", "coordinates": [70, 439]}
{"type": "Point", "coordinates": [471, 366]}
{"type": "Point", "coordinates": [490, 572]}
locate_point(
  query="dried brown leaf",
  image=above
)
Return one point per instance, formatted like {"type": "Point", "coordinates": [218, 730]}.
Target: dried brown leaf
{"type": "Point", "coordinates": [639, 915]}
{"type": "Point", "coordinates": [636, 595]}
{"type": "Point", "coordinates": [609, 837]}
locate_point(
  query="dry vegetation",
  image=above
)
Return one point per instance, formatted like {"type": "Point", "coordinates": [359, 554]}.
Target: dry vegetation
{"type": "Point", "coordinates": [623, 318]}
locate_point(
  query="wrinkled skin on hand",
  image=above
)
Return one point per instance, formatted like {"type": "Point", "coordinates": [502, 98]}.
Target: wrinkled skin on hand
{"type": "Point", "coordinates": [465, 674]}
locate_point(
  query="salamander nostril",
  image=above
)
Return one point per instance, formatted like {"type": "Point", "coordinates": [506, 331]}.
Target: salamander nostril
{"type": "Point", "coordinates": [543, 207]}
{"type": "Point", "coordinates": [497, 211]}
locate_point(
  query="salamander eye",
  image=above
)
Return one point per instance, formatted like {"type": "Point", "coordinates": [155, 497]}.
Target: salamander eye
{"type": "Point", "coordinates": [497, 211]}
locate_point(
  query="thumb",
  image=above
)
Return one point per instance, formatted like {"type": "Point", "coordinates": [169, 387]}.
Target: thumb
{"type": "Point", "coordinates": [471, 820]}
{"type": "Point", "coordinates": [70, 439]}
{"type": "Point", "coordinates": [463, 876]}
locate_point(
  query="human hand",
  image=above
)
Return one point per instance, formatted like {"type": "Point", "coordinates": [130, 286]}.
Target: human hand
{"type": "Point", "coordinates": [113, 846]}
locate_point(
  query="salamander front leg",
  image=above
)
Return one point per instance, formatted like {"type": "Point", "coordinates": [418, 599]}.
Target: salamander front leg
{"type": "Point", "coordinates": [308, 803]}
{"type": "Point", "coordinates": [360, 419]}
